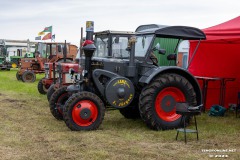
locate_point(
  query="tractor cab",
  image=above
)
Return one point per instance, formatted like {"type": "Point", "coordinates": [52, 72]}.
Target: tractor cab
{"type": "Point", "coordinates": [50, 51]}
{"type": "Point", "coordinates": [112, 44]}
{"type": "Point", "coordinates": [146, 35]}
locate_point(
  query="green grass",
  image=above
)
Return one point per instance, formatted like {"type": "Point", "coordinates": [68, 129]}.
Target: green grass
{"type": "Point", "coordinates": [29, 131]}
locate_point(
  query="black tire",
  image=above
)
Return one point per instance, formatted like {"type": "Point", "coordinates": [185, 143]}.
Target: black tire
{"type": "Point", "coordinates": [158, 101]}
{"type": "Point", "coordinates": [28, 76]}
{"type": "Point", "coordinates": [42, 89]}
{"type": "Point", "coordinates": [131, 112]}
{"type": "Point", "coordinates": [83, 111]}
{"type": "Point", "coordinates": [57, 101]}
{"type": "Point", "coordinates": [50, 91]}
{"type": "Point", "coordinates": [18, 76]}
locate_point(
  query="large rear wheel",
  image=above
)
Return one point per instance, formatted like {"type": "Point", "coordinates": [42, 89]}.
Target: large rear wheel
{"type": "Point", "coordinates": [84, 111]}
{"type": "Point", "coordinates": [158, 101]}
{"type": "Point", "coordinates": [57, 101]}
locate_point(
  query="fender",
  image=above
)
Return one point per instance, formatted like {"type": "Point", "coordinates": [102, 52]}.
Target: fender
{"type": "Point", "coordinates": [74, 88]}
{"type": "Point", "coordinates": [96, 75]}
{"type": "Point", "coordinates": [152, 73]}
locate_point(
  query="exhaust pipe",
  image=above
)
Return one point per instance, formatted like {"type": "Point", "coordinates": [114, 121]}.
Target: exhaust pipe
{"type": "Point", "coordinates": [88, 49]}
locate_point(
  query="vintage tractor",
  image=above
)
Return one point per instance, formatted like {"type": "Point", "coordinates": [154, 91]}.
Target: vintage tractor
{"type": "Point", "coordinates": [105, 49]}
{"type": "Point", "coordinates": [54, 71]}
{"type": "Point", "coordinates": [129, 80]}
{"type": "Point", "coordinates": [3, 63]}
{"type": "Point", "coordinates": [46, 52]}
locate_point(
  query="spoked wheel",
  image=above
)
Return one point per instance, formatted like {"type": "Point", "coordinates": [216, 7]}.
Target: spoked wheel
{"type": "Point", "coordinates": [18, 76]}
{"type": "Point", "coordinates": [42, 88]}
{"type": "Point", "coordinates": [158, 101]}
{"type": "Point", "coordinates": [84, 111]}
{"type": "Point", "coordinates": [57, 101]}
{"type": "Point", "coordinates": [50, 91]}
{"type": "Point", "coordinates": [28, 76]}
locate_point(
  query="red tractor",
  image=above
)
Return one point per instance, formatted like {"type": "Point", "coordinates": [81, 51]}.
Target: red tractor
{"type": "Point", "coordinates": [46, 52]}
{"type": "Point", "coordinates": [57, 74]}
{"type": "Point", "coordinates": [63, 78]}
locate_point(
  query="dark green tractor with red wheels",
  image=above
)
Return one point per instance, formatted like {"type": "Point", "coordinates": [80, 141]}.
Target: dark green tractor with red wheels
{"type": "Point", "coordinates": [128, 78]}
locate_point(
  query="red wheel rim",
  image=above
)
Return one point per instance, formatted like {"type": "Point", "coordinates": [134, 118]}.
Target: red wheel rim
{"type": "Point", "coordinates": [84, 113]}
{"type": "Point", "coordinates": [165, 103]}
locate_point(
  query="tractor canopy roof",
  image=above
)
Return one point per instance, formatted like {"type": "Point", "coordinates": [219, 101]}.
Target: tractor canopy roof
{"type": "Point", "coordinates": [179, 32]}
{"type": "Point", "coordinates": [114, 32]}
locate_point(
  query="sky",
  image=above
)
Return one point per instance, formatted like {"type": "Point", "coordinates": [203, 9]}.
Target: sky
{"type": "Point", "coordinates": [24, 19]}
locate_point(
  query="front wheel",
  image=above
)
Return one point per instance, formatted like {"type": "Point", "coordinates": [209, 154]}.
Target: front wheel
{"type": "Point", "coordinates": [28, 76]}
{"type": "Point", "coordinates": [50, 91]}
{"type": "Point", "coordinates": [18, 76]}
{"type": "Point", "coordinates": [158, 101]}
{"type": "Point", "coordinates": [84, 111]}
{"type": "Point", "coordinates": [57, 101]}
{"type": "Point", "coordinates": [42, 89]}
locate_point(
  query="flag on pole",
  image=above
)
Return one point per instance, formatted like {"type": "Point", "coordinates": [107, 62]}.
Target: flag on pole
{"type": "Point", "coordinates": [48, 29]}
{"type": "Point", "coordinates": [46, 33]}
{"type": "Point", "coordinates": [47, 36]}
{"type": "Point", "coordinates": [41, 33]}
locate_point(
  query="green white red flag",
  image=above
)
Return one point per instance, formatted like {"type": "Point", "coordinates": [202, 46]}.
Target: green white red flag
{"type": "Point", "coordinates": [47, 36]}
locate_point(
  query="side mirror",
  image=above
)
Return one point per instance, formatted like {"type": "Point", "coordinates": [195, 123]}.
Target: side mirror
{"type": "Point", "coordinates": [172, 56]}
{"type": "Point", "coordinates": [158, 48]}
{"type": "Point", "coordinates": [59, 48]}
{"type": "Point", "coordinates": [162, 51]}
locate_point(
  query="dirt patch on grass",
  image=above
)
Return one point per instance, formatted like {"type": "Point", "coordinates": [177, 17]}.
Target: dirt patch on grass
{"type": "Point", "coordinates": [14, 103]}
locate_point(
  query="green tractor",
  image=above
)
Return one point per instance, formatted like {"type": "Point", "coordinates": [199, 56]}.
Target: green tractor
{"type": "Point", "coordinates": [3, 63]}
{"type": "Point", "coordinates": [129, 79]}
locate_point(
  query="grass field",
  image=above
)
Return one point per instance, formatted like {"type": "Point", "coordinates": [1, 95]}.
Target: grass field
{"type": "Point", "coordinates": [29, 131]}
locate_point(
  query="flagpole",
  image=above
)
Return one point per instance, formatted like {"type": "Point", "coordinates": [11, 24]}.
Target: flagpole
{"type": "Point", "coordinates": [51, 33]}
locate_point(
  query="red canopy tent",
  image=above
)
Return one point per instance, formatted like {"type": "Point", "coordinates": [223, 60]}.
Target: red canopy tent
{"type": "Point", "coordinates": [219, 56]}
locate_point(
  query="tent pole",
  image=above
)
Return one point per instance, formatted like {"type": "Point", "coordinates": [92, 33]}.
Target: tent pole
{"type": "Point", "coordinates": [193, 54]}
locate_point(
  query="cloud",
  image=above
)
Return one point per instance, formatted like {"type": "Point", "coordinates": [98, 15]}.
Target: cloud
{"type": "Point", "coordinates": [24, 19]}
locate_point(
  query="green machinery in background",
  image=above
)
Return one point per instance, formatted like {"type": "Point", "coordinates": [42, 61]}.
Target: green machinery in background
{"type": "Point", "coordinates": [11, 51]}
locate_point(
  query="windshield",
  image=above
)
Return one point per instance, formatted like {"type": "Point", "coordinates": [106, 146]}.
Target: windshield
{"type": "Point", "coordinates": [115, 49]}
{"type": "Point", "coordinates": [42, 49]}
{"type": "Point", "coordinates": [142, 44]}
{"type": "Point", "coordinates": [119, 45]}
{"type": "Point", "coordinates": [101, 47]}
